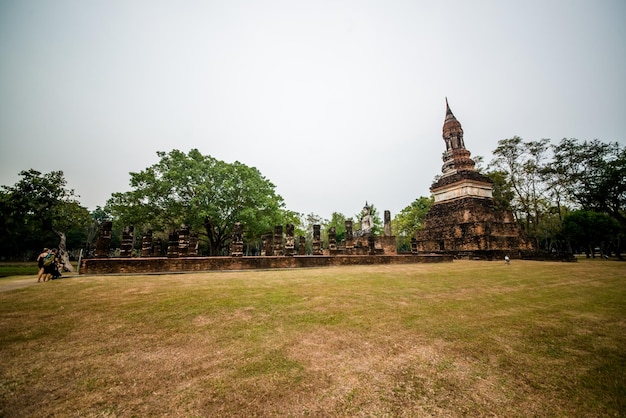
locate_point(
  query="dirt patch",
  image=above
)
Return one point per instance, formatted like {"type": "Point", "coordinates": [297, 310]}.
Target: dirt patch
{"type": "Point", "coordinates": [12, 284]}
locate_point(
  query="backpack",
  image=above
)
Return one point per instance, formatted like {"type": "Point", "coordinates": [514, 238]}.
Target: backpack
{"type": "Point", "coordinates": [48, 259]}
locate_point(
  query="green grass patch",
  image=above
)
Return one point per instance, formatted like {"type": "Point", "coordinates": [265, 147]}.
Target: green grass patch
{"type": "Point", "coordinates": [462, 338]}
{"type": "Point", "coordinates": [18, 269]}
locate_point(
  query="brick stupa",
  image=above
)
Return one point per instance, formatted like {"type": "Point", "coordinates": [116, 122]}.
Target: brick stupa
{"type": "Point", "coordinates": [464, 220]}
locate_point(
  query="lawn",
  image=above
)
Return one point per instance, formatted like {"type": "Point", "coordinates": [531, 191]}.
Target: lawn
{"type": "Point", "coordinates": [468, 338]}
{"type": "Point", "coordinates": [26, 268]}
{"type": "Point", "coordinates": [17, 268]}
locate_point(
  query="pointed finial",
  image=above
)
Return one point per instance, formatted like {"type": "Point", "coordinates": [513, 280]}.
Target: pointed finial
{"type": "Point", "coordinates": [448, 110]}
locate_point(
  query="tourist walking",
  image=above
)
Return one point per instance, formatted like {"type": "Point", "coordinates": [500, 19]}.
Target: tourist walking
{"type": "Point", "coordinates": [49, 264]}
{"type": "Point", "coordinates": [40, 259]}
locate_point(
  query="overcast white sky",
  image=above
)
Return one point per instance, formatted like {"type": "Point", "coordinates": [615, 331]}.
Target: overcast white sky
{"type": "Point", "coordinates": [336, 102]}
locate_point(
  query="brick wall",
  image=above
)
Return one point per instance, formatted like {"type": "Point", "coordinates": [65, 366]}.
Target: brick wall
{"type": "Point", "coordinates": [164, 264]}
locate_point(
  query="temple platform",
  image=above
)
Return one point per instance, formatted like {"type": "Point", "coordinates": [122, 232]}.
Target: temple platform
{"type": "Point", "coordinates": [187, 264]}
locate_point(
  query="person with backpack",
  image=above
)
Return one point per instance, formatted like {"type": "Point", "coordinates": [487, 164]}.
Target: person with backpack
{"type": "Point", "coordinates": [56, 267]}
{"type": "Point", "coordinates": [40, 258]}
{"type": "Point", "coordinates": [49, 264]}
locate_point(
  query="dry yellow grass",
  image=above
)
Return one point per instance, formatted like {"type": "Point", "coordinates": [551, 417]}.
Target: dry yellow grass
{"type": "Point", "coordinates": [459, 339]}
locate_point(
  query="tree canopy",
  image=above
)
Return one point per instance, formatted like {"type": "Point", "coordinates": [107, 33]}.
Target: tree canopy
{"type": "Point", "coordinates": [201, 192]}
{"type": "Point", "coordinates": [588, 230]}
{"type": "Point", "coordinates": [39, 210]}
{"type": "Point", "coordinates": [592, 175]}
{"type": "Point", "coordinates": [337, 221]}
{"type": "Point", "coordinates": [410, 219]}
{"type": "Point", "coordinates": [523, 162]}
{"type": "Point", "coordinates": [544, 181]}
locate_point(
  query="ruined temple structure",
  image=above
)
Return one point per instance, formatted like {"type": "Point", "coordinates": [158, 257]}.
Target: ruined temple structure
{"type": "Point", "coordinates": [464, 220]}
{"type": "Point", "coordinates": [193, 244]}
{"type": "Point", "coordinates": [172, 245]}
{"type": "Point", "coordinates": [236, 241]}
{"type": "Point", "coordinates": [103, 245]}
{"type": "Point", "coordinates": [290, 242]}
{"type": "Point", "coordinates": [267, 249]}
{"type": "Point", "coordinates": [301, 245]}
{"type": "Point", "coordinates": [317, 241]}
{"type": "Point", "coordinates": [183, 241]}
{"type": "Point", "coordinates": [332, 238]}
{"type": "Point", "coordinates": [157, 246]}
{"type": "Point", "coordinates": [146, 244]}
{"type": "Point", "coordinates": [278, 241]}
{"type": "Point", "coordinates": [277, 251]}
{"type": "Point", "coordinates": [349, 237]}
{"type": "Point", "coordinates": [128, 238]}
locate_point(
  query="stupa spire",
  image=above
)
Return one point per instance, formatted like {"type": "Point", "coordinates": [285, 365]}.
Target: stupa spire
{"type": "Point", "coordinates": [456, 157]}
{"type": "Point", "coordinates": [452, 130]}
{"type": "Point", "coordinates": [448, 111]}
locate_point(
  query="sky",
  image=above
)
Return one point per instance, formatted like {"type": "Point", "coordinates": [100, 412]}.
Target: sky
{"type": "Point", "coordinates": [335, 102]}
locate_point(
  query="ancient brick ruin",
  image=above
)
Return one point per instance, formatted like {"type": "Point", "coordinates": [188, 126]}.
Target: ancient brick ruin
{"type": "Point", "coordinates": [464, 220]}
{"type": "Point", "coordinates": [104, 240]}
{"type": "Point", "coordinates": [278, 250]}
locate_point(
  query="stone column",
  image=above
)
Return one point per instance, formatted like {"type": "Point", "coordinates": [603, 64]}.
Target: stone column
{"type": "Point", "coordinates": [103, 245]}
{"type": "Point", "coordinates": [317, 243]}
{"type": "Point", "coordinates": [126, 246]}
{"type": "Point", "coordinates": [387, 223]}
{"type": "Point", "coordinates": [236, 243]}
{"type": "Point", "coordinates": [193, 244]}
{"type": "Point", "coordinates": [172, 245]}
{"type": "Point", "coordinates": [371, 245]}
{"type": "Point", "coordinates": [349, 236]}
{"type": "Point", "coordinates": [301, 245]}
{"type": "Point", "coordinates": [183, 241]}
{"type": "Point", "coordinates": [332, 238]}
{"type": "Point", "coordinates": [278, 240]}
{"type": "Point", "coordinates": [266, 247]}
{"type": "Point", "coordinates": [289, 240]}
{"type": "Point", "coordinates": [146, 243]}
{"type": "Point", "coordinates": [414, 245]}
{"type": "Point", "coordinates": [157, 246]}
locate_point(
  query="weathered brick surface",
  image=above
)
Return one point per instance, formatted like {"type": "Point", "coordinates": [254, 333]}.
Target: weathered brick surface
{"type": "Point", "coordinates": [471, 225]}
{"type": "Point", "coordinates": [388, 244]}
{"type": "Point", "coordinates": [165, 265]}
{"type": "Point", "coordinates": [464, 221]}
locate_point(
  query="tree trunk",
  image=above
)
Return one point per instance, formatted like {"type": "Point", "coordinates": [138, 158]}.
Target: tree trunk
{"type": "Point", "coordinates": [210, 233]}
{"type": "Point", "coordinates": [63, 255]}
{"type": "Point", "coordinates": [217, 238]}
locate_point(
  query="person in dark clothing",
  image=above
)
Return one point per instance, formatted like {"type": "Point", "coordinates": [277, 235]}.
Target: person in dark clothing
{"type": "Point", "coordinates": [49, 269]}
{"type": "Point", "coordinates": [40, 259]}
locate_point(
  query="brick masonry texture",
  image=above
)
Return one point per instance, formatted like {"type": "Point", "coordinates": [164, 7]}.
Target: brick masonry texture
{"type": "Point", "coordinates": [187, 264]}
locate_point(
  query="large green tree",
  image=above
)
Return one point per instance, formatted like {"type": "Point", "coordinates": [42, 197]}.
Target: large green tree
{"type": "Point", "coordinates": [591, 175]}
{"type": "Point", "coordinates": [338, 221]}
{"type": "Point", "coordinates": [307, 222]}
{"type": "Point", "coordinates": [39, 210]}
{"type": "Point", "coordinates": [543, 188]}
{"type": "Point", "coordinates": [523, 166]}
{"type": "Point", "coordinates": [201, 192]}
{"type": "Point", "coordinates": [409, 220]}
{"type": "Point", "coordinates": [588, 230]}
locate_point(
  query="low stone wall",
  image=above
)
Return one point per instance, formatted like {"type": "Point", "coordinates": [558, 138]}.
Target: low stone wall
{"type": "Point", "coordinates": [165, 265]}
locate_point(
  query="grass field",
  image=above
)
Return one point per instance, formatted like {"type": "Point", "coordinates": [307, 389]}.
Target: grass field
{"type": "Point", "coordinates": [17, 268]}
{"type": "Point", "coordinates": [26, 268]}
{"type": "Point", "coordinates": [467, 338]}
